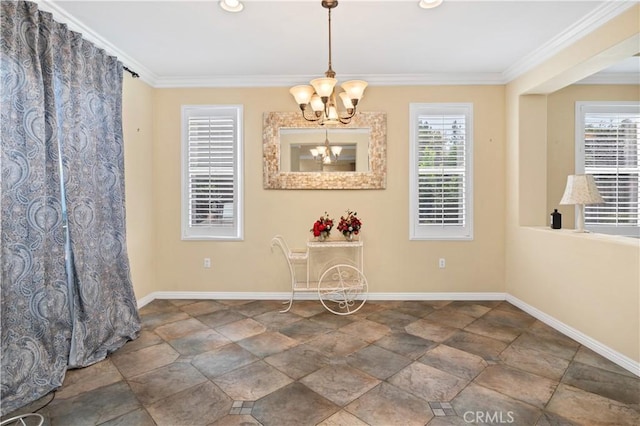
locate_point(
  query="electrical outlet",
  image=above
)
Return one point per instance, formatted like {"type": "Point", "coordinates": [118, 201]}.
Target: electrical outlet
{"type": "Point", "coordinates": [207, 262]}
{"type": "Point", "coordinates": [442, 263]}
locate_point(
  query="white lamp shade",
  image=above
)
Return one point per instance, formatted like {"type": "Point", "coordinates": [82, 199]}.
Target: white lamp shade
{"type": "Point", "coordinates": [429, 4]}
{"type": "Point", "coordinates": [345, 100]}
{"type": "Point", "coordinates": [231, 5]}
{"type": "Point", "coordinates": [324, 86]}
{"type": "Point", "coordinates": [336, 150]}
{"type": "Point", "coordinates": [302, 94]}
{"type": "Point", "coordinates": [314, 152]}
{"type": "Point", "coordinates": [354, 88]}
{"type": "Point", "coordinates": [581, 189]}
{"type": "Point", "coordinates": [316, 103]}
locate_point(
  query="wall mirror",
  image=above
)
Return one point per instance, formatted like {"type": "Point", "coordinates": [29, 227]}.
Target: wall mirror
{"type": "Point", "coordinates": [298, 154]}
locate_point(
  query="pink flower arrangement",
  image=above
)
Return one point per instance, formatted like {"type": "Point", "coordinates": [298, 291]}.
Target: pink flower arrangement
{"type": "Point", "coordinates": [322, 227]}
{"type": "Point", "coordinates": [349, 224]}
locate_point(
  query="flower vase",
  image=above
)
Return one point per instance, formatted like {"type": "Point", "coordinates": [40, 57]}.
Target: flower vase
{"type": "Point", "coordinates": [322, 236]}
{"type": "Point", "coordinates": [348, 236]}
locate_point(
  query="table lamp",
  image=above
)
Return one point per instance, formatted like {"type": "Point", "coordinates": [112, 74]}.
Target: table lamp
{"type": "Point", "coordinates": [581, 190]}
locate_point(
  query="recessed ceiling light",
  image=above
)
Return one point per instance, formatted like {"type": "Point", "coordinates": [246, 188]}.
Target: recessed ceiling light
{"type": "Point", "coordinates": [231, 5]}
{"type": "Point", "coordinates": [429, 4]}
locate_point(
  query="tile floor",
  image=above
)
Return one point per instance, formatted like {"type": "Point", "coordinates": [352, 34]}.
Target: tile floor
{"type": "Point", "coordinates": [223, 362]}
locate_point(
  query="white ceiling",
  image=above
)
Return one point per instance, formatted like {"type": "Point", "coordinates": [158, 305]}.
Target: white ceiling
{"type": "Point", "coordinates": [196, 43]}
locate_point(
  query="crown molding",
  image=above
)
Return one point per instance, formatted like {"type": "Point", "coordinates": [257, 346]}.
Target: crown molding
{"type": "Point", "coordinates": [596, 18]}
{"type": "Point", "coordinates": [611, 78]}
{"type": "Point", "coordinates": [74, 24]}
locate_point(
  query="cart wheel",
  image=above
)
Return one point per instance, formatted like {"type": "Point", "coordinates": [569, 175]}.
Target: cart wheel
{"type": "Point", "coordinates": [343, 289]}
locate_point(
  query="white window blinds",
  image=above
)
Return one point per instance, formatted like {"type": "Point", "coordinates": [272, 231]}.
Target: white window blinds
{"type": "Point", "coordinates": [212, 172]}
{"type": "Point", "coordinates": [608, 150]}
{"type": "Point", "coordinates": [441, 171]}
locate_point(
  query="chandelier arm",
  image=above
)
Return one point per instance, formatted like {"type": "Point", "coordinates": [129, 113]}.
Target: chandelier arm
{"type": "Point", "coordinates": [314, 117]}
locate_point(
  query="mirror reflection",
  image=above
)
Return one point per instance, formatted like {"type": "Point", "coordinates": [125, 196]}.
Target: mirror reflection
{"type": "Point", "coordinates": [324, 150]}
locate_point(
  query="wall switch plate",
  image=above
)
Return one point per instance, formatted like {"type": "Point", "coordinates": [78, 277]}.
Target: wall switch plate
{"type": "Point", "coordinates": [207, 262]}
{"type": "Point", "coordinates": [442, 263]}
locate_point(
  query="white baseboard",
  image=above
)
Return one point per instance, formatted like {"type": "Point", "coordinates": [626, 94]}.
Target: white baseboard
{"type": "Point", "coordinates": [612, 355]}
{"type": "Point", "coordinates": [599, 348]}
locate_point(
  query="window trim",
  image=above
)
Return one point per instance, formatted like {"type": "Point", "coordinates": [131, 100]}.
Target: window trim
{"type": "Point", "coordinates": [421, 232]}
{"type": "Point", "coordinates": [581, 108]}
{"type": "Point", "coordinates": [220, 233]}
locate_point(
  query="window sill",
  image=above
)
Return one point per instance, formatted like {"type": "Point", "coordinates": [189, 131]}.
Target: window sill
{"type": "Point", "coordinates": [592, 236]}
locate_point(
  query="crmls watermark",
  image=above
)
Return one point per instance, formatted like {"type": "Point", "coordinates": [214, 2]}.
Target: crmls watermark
{"type": "Point", "coordinates": [488, 417]}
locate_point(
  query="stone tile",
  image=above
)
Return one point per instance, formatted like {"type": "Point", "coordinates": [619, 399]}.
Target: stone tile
{"type": "Point", "coordinates": [547, 344]}
{"type": "Point", "coordinates": [523, 386]}
{"type": "Point", "coordinates": [304, 330]}
{"type": "Point", "coordinates": [145, 338]}
{"type": "Point", "coordinates": [178, 329]}
{"type": "Point", "coordinates": [342, 418]}
{"type": "Point", "coordinates": [202, 307]}
{"type": "Point", "coordinates": [156, 319]}
{"type": "Point", "coordinates": [451, 317]}
{"type": "Point", "coordinates": [160, 383]}
{"type": "Point", "coordinates": [157, 306]}
{"type": "Point", "coordinates": [516, 319]}
{"type": "Point", "coordinates": [470, 308]}
{"type": "Point", "coordinates": [605, 383]}
{"type": "Point", "coordinates": [454, 361]}
{"type": "Point", "coordinates": [336, 343]}
{"type": "Point", "coordinates": [506, 306]}
{"type": "Point", "coordinates": [367, 309]}
{"type": "Point", "coordinates": [298, 361]}
{"type": "Point", "coordinates": [86, 379]}
{"type": "Point", "coordinates": [485, 347]}
{"type": "Point", "coordinates": [539, 363]}
{"type": "Point", "coordinates": [146, 359]}
{"type": "Point", "coordinates": [222, 360]}
{"type": "Point", "coordinates": [406, 344]}
{"type": "Point", "coordinates": [416, 308]}
{"type": "Point", "coordinates": [475, 401]}
{"type": "Point", "coordinates": [387, 405]}
{"type": "Point", "coordinates": [332, 321]}
{"type": "Point", "coordinates": [305, 308]}
{"type": "Point", "coordinates": [274, 320]}
{"type": "Point", "coordinates": [199, 342]}
{"type": "Point", "coordinates": [539, 328]}
{"type": "Point", "coordinates": [449, 421]}
{"type": "Point", "coordinates": [95, 407]}
{"type": "Point", "coordinates": [294, 404]}
{"type": "Point", "coordinates": [339, 384]}
{"type": "Point", "coordinates": [494, 330]}
{"type": "Point", "coordinates": [138, 417]}
{"type": "Point", "coordinates": [234, 302]}
{"type": "Point", "coordinates": [183, 302]}
{"type": "Point", "coordinates": [198, 405]}
{"type": "Point", "coordinates": [218, 318]}
{"type": "Point", "coordinates": [392, 319]}
{"type": "Point", "coordinates": [268, 343]}
{"type": "Point", "coordinates": [252, 381]}
{"type": "Point", "coordinates": [241, 329]}
{"type": "Point", "coordinates": [586, 408]}
{"type": "Point", "coordinates": [236, 420]}
{"type": "Point", "coordinates": [430, 330]}
{"type": "Point", "coordinates": [551, 419]}
{"type": "Point", "coordinates": [258, 307]}
{"type": "Point", "coordinates": [589, 357]}
{"type": "Point", "coordinates": [369, 331]}
{"type": "Point", "coordinates": [428, 383]}
{"type": "Point", "coordinates": [377, 362]}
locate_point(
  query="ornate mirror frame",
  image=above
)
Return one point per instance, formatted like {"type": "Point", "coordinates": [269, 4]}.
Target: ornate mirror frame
{"type": "Point", "coordinates": [275, 178]}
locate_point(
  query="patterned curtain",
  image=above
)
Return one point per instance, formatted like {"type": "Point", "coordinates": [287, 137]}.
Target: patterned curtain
{"type": "Point", "coordinates": [62, 160]}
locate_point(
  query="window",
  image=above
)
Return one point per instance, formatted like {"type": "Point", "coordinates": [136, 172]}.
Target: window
{"type": "Point", "coordinates": [441, 176]}
{"type": "Point", "coordinates": [212, 172]}
{"type": "Point", "coordinates": [607, 147]}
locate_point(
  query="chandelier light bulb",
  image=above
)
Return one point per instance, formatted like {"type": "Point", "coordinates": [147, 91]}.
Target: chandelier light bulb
{"type": "Point", "coordinates": [231, 5]}
{"type": "Point", "coordinates": [429, 4]}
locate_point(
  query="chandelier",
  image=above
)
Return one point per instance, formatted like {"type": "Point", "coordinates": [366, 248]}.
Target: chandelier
{"type": "Point", "coordinates": [321, 95]}
{"type": "Point", "coordinates": [324, 153]}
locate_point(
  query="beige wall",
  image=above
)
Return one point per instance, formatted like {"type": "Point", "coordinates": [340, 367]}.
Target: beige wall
{"type": "Point", "coordinates": [589, 282]}
{"type": "Point", "coordinates": [137, 126]}
{"type": "Point", "coordinates": [393, 264]}
{"type": "Point", "coordinates": [561, 136]}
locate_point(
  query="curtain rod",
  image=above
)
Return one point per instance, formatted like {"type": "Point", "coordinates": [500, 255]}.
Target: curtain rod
{"type": "Point", "coordinates": [133, 73]}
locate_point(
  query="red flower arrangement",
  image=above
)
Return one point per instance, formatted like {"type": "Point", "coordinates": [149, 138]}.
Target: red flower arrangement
{"type": "Point", "coordinates": [349, 224]}
{"type": "Point", "coordinates": [322, 227]}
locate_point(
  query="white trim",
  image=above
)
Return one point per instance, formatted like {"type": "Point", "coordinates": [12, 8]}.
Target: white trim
{"type": "Point", "coordinates": [596, 18]}
{"type": "Point", "coordinates": [610, 78]}
{"type": "Point", "coordinates": [598, 347]}
{"type": "Point", "coordinates": [74, 24]}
